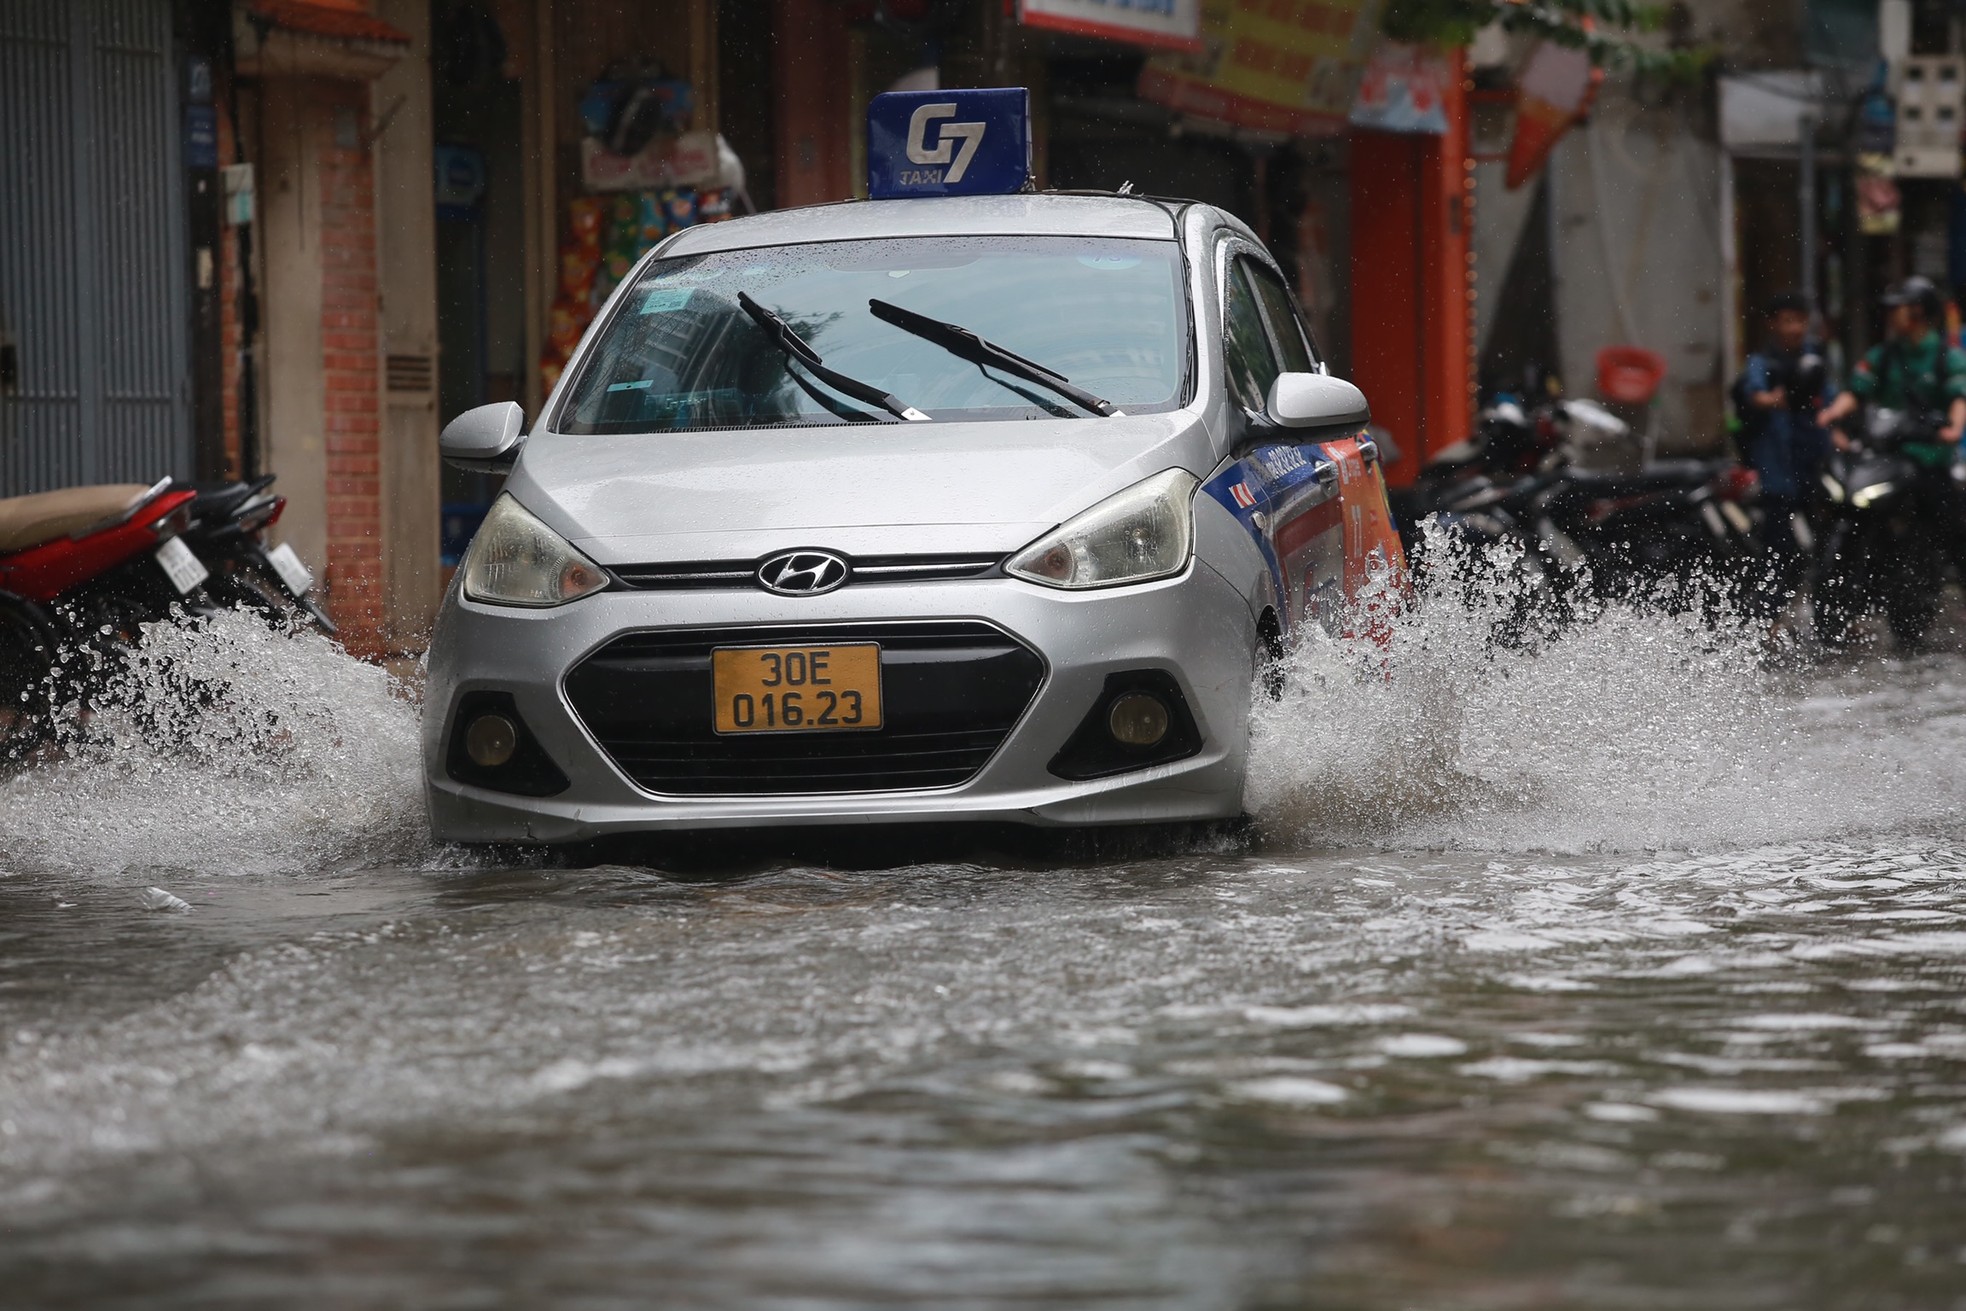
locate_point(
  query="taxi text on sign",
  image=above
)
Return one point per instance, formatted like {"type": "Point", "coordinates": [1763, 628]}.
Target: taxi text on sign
{"type": "Point", "coordinates": [948, 143]}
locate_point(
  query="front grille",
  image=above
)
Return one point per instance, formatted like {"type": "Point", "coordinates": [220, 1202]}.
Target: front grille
{"type": "Point", "coordinates": [724, 574]}
{"type": "Point", "coordinates": [952, 690]}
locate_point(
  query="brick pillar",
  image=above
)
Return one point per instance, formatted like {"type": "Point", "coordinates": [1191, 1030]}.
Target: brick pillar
{"type": "Point", "coordinates": [351, 383]}
{"type": "Point", "coordinates": [315, 231]}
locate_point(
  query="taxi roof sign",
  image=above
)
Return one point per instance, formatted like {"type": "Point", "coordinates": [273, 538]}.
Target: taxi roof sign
{"type": "Point", "coordinates": [948, 143]}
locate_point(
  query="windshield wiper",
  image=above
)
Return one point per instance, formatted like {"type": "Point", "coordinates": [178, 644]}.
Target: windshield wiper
{"type": "Point", "coordinates": [794, 347]}
{"type": "Point", "coordinates": [966, 345]}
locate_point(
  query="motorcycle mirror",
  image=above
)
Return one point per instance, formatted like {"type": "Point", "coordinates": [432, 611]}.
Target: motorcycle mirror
{"type": "Point", "coordinates": [485, 439]}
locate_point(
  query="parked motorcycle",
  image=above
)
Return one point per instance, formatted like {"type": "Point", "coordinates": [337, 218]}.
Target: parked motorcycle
{"type": "Point", "coordinates": [1882, 548]}
{"type": "Point", "coordinates": [80, 570]}
{"type": "Point", "coordinates": [228, 534]}
{"type": "Point", "coordinates": [1680, 530]}
{"type": "Point", "coordinates": [1510, 442]}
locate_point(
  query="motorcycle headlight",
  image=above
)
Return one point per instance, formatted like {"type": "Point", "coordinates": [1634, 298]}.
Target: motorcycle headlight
{"type": "Point", "coordinates": [517, 560]}
{"type": "Point", "coordinates": [1864, 497]}
{"type": "Point", "coordinates": [1134, 536]}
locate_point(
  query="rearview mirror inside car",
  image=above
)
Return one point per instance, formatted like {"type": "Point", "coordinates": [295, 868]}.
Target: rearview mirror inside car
{"type": "Point", "coordinates": [485, 439]}
{"type": "Point", "coordinates": [1316, 400]}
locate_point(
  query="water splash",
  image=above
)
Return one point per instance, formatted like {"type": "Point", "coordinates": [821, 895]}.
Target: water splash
{"type": "Point", "coordinates": [229, 747]}
{"type": "Point", "coordinates": [225, 747]}
{"type": "Point", "coordinates": [1636, 729]}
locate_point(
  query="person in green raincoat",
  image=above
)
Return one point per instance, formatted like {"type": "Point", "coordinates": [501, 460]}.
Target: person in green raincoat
{"type": "Point", "coordinates": [1915, 369]}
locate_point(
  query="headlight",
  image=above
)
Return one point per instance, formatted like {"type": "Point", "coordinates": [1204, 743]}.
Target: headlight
{"type": "Point", "coordinates": [1142, 533]}
{"type": "Point", "coordinates": [517, 560]}
{"type": "Point", "coordinates": [1863, 498]}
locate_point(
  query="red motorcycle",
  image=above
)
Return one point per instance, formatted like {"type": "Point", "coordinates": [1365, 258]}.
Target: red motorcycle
{"type": "Point", "coordinates": [79, 573]}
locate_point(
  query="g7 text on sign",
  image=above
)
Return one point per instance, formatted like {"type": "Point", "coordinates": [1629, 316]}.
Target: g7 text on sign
{"type": "Point", "coordinates": [948, 143]}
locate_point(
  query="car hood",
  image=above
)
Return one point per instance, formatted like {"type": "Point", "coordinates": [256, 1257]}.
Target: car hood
{"type": "Point", "coordinates": [906, 488]}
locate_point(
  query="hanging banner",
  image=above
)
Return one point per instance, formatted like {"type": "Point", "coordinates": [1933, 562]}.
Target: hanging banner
{"type": "Point", "coordinates": [1169, 24]}
{"type": "Point", "coordinates": [1404, 89]}
{"type": "Point", "coordinates": [1556, 88]}
{"type": "Point", "coordinates": [1289, 66]}
{"type": "Point", "coordinates": [1880, 206]}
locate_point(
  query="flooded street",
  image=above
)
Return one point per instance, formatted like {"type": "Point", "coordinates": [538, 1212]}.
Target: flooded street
{"type": "Point", "coordinates": [1621, 974]}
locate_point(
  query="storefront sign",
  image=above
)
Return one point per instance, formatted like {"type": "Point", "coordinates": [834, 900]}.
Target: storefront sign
{"type": "Point", "coordinates": [1173, 24]}
{"type": "Point", "coordinates": [197, 80]}
{"type": "Point", "coordinates": [1272, 65]}
{"type": "Point", "coordinates": [690, 160]}
{"type": "Point", "coordinates": [460, 179]}
{"type": "Point", "coordinates": [1404, 89]}
{"type": "Point", "coordinates": [1763, 112]}
{"type": "Point", "coordinates": [236, 183]}
{"type": "Point", "coordinates": [200, 136]}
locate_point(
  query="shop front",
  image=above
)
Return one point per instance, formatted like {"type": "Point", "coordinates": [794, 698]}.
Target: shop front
{"type": "Point", "coordinates": [1367, 203]}
{"type": "Point", "coordinates": [570, 136]}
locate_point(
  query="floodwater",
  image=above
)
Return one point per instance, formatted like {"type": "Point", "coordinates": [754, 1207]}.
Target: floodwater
{"type": "Point", "coordinates": [1626, 973]}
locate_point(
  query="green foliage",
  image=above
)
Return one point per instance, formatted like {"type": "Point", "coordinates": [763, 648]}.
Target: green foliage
{"type": "Point", "coordinates": [1454, 23]}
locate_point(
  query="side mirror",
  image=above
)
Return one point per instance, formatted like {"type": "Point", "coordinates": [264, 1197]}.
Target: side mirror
{"type": "Point", "coordinates": [1316, 400]}
{"type": "Point", "coordinates": [485, 439]}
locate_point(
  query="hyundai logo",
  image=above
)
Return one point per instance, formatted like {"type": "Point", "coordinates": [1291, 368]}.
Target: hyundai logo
{"type": "Point", "coordinates": [803, 573]}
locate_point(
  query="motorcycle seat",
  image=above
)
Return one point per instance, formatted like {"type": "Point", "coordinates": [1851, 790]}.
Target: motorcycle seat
{"type": "Point", "coordinates": [27, 521]}
{"type": "Point", "coordinates": [218, 501]}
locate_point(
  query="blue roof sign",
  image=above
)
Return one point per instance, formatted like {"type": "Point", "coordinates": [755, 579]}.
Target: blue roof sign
{"type": "Point", "coordinates": [948, 143]}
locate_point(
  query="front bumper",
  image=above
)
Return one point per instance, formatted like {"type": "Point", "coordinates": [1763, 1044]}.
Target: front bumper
{"type": "Point", "coordinates": [1197, 628]}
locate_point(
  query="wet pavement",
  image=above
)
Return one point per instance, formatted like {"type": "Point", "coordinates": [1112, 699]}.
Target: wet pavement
{"type": "Point", "coordinates": [1625, 973]}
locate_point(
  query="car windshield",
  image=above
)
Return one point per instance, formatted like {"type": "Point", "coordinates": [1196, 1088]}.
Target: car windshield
{"type": "Point", "coordinates": [679, 352]}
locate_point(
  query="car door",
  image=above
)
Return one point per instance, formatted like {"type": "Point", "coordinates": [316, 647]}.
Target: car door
{"type": "Point", "coordinates": [1371, 541]}
{"type": "Point", "coordinates": [1286, 492]}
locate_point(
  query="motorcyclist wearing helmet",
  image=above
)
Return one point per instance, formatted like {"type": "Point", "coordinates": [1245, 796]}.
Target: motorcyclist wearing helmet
{"type": "Point", "coordinates": [1913, 369]}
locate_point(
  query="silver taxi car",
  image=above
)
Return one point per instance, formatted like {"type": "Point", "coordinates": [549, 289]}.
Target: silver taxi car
{"type": "Point", "coordinates": [979, 508]}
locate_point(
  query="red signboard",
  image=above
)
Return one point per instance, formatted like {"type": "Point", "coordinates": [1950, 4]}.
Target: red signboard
{"type": "Point", "coordinates": [1168, 24]}
{"type": "Point", "coordinates": [1287, 66]}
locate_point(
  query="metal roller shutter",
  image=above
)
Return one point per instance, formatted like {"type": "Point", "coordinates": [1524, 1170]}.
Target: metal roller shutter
{"type": "Point", "coordinates": [93, 302]}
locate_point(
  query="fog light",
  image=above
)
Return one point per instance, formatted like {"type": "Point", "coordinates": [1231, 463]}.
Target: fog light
{"type": "Point", "coordinates": [491, 740]}
{"type": "Point", "coordinates": [1138, 719]}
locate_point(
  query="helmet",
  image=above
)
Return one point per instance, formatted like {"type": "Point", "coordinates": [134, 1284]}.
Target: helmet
{"type": "Point", "coordinates": [1919, 291]}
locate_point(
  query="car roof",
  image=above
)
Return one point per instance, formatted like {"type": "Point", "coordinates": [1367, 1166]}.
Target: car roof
{"type": "Point", "coordinates": [1030, 214]}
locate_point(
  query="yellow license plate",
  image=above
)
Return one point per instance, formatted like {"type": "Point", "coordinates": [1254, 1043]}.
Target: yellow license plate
{"type": "Point", "coordinates": [796, 689]}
